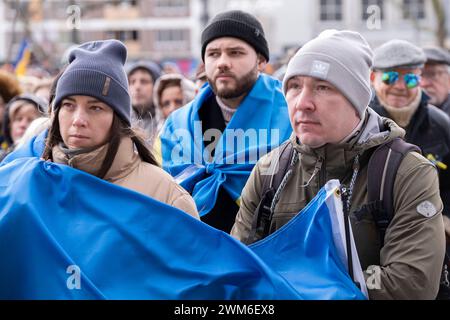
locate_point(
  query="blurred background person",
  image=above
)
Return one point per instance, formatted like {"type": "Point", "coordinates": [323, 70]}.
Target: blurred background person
{"type": "Point", "coordinates": [171, 92]}
{"type": "Point", "coordinates": [141, 78]}
{"type": "Point", "coordinates": [435, 79]}
{"type": "Point", "coordinates": [9, 88]}
{"type": "Point", "coordinates": [42, 89]}
{"type": "Point", "coordinates": [170, 67]}
{"type": "Point", "coordinates": [19, 114]}
{"type": "Point", "coordinates": [200, 76]}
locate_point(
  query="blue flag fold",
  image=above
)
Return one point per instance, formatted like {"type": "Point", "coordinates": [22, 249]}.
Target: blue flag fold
{"type": "Point", "coordinates": [65, 234]}
{"type": "Point", "coordinates": [259, 125]}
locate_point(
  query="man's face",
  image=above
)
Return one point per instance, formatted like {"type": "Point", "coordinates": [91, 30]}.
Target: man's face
{"type": "Point", "coordinates": [318, 112]}
{"type": "Point", "coordinates": [435, 81]}
{"type": "Point", "coordinates": [396, 94]}
{"type": "Point", "coordinates": [141, 88]}
{"type": "Point", "coordinates": [231, 67]}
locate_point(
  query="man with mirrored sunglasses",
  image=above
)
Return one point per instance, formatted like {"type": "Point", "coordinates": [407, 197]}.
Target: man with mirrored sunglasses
{"type": "Point", "coordinates": [396, 78]}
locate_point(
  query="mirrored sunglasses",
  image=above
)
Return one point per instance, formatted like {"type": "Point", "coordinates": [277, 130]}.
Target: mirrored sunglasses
{"type": "Point", "coordinates": [391, 77]}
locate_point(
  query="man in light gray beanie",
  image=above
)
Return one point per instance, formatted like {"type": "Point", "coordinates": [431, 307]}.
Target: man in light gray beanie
{"type": "Point", "coordinates": [327, 88]}
{"type": "Point", "coordinates": [343, 59]}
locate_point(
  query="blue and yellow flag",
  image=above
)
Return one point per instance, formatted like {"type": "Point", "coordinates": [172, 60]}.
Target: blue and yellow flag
{"type": "Point", "coordinates": [260, 124]}
{"type": "Point", "coordinates": [65, 234]}
{"type": "Point", "coordinates": [23, 58]}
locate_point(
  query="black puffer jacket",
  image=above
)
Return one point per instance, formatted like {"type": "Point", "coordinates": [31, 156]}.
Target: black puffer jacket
{"type": "Point", "coordinates": [445, 106]}
{"type": "Point", "coordinates": [429, 129]}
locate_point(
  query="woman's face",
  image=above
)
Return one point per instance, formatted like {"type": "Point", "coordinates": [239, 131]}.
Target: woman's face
{"type": "Point", "coordinates": [171, 100]}
{"type": "Point", "coordinates": [84, 122]}
{"type": "Point", "coordinates": [21, 120]}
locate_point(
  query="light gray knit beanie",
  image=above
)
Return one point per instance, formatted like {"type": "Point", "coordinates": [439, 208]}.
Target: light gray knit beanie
{"type": "Point", "coordinates": [343, 58]}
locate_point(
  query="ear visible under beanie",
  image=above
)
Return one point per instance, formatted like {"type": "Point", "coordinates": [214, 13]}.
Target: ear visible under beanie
{"type": "Point", "coordinates": [343, 58]}
{"type": "Point", "coordinates": [236, 24]}
{"type": "Point", "coordinates": [96, 69]}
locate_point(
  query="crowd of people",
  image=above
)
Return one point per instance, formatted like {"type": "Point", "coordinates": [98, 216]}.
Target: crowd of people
{"type": "Point", "coordinates": [209, 145]}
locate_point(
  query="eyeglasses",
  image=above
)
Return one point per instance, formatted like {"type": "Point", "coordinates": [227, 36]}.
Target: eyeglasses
{"type": "Point", "coordinates": [391, 77]}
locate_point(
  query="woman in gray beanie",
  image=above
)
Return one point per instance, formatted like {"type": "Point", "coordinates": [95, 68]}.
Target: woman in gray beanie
{"type": "Point", "coordinates": [91, 126]}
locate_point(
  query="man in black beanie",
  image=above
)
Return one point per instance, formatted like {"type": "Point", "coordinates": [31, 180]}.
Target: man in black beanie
{"type": "Point", "coordinates": [235, 52]}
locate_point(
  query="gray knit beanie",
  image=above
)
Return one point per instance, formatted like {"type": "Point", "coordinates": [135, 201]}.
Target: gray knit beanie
{"type": "Point", "coordinates": [96, 69]}
{"type": "Point", "coordinates": [343, 58]}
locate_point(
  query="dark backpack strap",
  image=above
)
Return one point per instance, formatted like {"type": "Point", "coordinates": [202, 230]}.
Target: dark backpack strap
{"type": "Point", "coordinates": [381, 172]}
{"type": "Point", "coordinates": [270, 183]}
{"type": "Point", "coordinates": [444, 286]}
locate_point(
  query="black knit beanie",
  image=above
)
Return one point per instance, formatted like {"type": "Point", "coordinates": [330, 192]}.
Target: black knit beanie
{"type": "Point", "coordinates": [96, 69]}
{"type": "Point", "coordinates": [236, 24]}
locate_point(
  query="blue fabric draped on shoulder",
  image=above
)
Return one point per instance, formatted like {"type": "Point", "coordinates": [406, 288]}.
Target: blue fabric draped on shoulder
{"type": "Point", "coordinates": [32, 148]}
{"type": "Point", "coordinates": [62, 236]}
{"type": "Point", "coordinates": [260, 124]}
{"type": "Point", "coordinates": [57, 222]}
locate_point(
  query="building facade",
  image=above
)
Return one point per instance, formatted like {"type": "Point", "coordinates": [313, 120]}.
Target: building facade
{"type": "Point", "coordinates": [291, 23]}
{"type": "Point", "coordinates": [153, 29]}
{"type": "Point", "coordinates": [170, 29]}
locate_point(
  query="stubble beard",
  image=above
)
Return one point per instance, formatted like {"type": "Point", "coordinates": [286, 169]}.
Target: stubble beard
{"type": "Point", "coordinates": [242, 85]}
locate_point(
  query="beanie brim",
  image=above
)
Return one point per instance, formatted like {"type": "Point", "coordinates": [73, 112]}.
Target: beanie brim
{"type": "Point", "coordinates": [92, 83]}
{"type": "Point", "coordinates": [302, 66]}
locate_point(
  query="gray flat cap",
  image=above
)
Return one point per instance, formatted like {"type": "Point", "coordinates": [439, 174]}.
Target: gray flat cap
{"type": "Point", "coordinates": [437, 55]}
{"type": "Point", "coordinates": [398, 54]}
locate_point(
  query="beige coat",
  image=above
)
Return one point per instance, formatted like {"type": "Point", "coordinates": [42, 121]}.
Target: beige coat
{"type": "Point", "coordinates": [129, 171]}
{"type": "Point", "coordinates": [410, 262]}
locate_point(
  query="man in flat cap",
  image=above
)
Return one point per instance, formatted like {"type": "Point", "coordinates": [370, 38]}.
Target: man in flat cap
{"type": "Point", "coordinates": [436, 83]}
{"type": "Point", "coordinates": [395, 77]}
{"type": "Point", "coordinates": [436, 77]}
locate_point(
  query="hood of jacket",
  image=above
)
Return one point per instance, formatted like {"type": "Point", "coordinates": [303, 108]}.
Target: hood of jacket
{"type": "Point", "coordinates": [125, 161]}
{"type": "Point", "coordinates": [129, 171]}
{"type": "Point", "coordinates": [187, 88]}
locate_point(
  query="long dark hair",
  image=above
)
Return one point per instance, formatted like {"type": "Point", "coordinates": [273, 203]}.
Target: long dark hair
{"type": "Point", "coordinates": [119, 130]}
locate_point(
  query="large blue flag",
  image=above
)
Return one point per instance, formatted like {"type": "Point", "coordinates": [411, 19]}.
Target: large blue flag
{"type": "Point", "coordinates": [65, 234]}
{"type": "Point", "coordinates": [259, 125]}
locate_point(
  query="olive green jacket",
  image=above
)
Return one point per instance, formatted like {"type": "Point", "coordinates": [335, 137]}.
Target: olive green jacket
{"type": "Point", "coordinates": [409, 264]}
